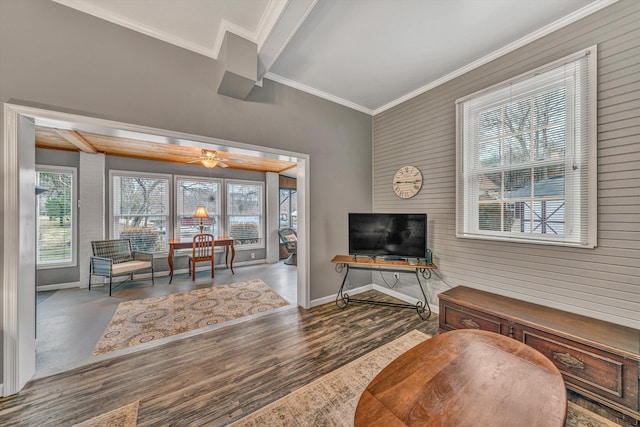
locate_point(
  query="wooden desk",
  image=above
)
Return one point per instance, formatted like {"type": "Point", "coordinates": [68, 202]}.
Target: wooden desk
{"type": "Point", "coordinates": [466, 378]}
{"type": "Point", "coordinates": [380, 264]}
{"type": "Point", "coordinates": [227, 242]}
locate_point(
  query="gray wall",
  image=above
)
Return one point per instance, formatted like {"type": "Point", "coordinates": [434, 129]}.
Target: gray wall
{"type": "Point", "coordinates": [602, 283]}
{"type": "Point", "coordinates": [53, 56]}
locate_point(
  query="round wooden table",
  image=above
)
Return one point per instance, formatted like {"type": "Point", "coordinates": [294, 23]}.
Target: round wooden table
{"type": "Point", "coordinates": [466, 378]}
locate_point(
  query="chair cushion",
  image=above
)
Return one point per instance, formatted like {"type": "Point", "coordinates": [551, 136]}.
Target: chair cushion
{"type": "Point", "coordinates": [129, 266]}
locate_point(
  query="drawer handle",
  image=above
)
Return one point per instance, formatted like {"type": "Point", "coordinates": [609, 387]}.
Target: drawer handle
{"type": "Point", "coordinates": [568, 360]}
{"type": "Point", "coordinates": [470, 324]}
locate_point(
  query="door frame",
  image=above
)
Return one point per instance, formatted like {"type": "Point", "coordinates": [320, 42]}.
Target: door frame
{"type": "Point", "coordinates": [18, 361]}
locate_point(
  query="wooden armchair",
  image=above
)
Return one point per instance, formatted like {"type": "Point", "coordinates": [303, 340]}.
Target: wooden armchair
{"type": "Point", "coordinates": [112, 258]}
{"type": "Point", "coordinates": [202, 251]}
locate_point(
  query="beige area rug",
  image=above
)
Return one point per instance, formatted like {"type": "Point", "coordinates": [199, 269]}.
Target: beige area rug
{"type": "Point", "coordinates": [125, 416]}
{"type": "Point", "coordinates": [332, 399]}
{"type": "Point", "coordinates": [142, 321]}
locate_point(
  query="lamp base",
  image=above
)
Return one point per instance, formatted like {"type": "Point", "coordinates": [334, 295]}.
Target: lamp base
{"type": "Point", "coordinates": [201, 228]}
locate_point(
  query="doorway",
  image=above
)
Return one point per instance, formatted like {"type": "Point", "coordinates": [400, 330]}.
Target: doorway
{"type": "Point", "coordinates": [19, 221]}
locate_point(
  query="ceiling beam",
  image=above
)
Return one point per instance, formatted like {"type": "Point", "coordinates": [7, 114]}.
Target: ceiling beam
{"type": "Point", "coordinates": [76, 139]}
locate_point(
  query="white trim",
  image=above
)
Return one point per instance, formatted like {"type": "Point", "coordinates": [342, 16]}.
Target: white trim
{"type": "Point", "coordinates": [544, 31]}
{"type": "Point", "coordinates": [318, 93]}
{"type": "Point", "coordinates": [268, 20]}
{"type": "Point", "coordinates": [58, 286]}
{"type": "Point", "coordinates": [332, 298]}
{"type": "Point", "coordinates": [11, 257]}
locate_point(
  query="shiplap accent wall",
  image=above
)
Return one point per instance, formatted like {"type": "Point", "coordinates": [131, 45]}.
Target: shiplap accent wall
{"type": "Point", "coordinates": [603, 282]}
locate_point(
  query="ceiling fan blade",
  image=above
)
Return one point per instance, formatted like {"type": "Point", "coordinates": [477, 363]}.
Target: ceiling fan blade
{"type": "Point", "coordinates": [222, 164]}
{"type": "Point", "coordinates": [193, 161]}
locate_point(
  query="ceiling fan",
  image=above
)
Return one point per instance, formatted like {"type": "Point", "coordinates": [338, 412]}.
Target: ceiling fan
{"type": "Point", "coordinates": [210, 159]}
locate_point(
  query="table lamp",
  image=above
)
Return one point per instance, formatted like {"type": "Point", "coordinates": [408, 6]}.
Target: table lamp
{"type": "Point", "coordinates": [201, 212]}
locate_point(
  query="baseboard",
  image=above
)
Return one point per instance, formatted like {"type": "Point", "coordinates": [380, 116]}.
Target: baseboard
{"type": "Point", "coordinates": [57, 286]}
{"type": "Point", "coordinates": [402, 297]}
{"type": "Point", "coordinates": [332, 298]}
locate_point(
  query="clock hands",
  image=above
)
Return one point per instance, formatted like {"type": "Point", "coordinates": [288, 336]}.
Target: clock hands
{"type": "Point", "coordinates": [408, 182]}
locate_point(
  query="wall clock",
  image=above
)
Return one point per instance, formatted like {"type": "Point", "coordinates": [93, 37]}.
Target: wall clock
{"type": "Point", "coordinates": [407, 182]}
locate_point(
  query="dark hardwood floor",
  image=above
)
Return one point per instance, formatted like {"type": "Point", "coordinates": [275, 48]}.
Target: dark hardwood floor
{"type": "Point", "coordinates": [219, 376]}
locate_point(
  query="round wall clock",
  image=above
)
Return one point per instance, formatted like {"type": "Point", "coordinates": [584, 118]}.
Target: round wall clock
{"type": "Point", "coordinates": [407, 182]}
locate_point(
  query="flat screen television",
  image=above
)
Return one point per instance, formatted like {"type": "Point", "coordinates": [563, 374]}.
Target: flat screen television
{"type": "Point", "coordinates": [388, 235]}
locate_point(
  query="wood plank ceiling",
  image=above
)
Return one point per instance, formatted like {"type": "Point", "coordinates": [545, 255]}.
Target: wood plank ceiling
{"type": "Point", "coordinates": [71, 140]}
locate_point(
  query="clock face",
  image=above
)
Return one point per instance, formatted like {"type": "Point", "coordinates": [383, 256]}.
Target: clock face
{"type": "Point", "coordinates": [407, 182]}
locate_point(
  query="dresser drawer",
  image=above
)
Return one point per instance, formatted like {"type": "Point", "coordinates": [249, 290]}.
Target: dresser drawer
{"type": "Point", "coordinates": [453, 316]}
{"type": "Point", "coordinates": [608, 375]}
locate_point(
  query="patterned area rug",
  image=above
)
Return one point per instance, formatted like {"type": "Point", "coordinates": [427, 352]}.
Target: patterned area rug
{"type": "Point", "coordinates": [125, 416]}
{"type": "Point", "coordinates": [142, 321]}
{"type": "Point", "coordinates": [332, 399]}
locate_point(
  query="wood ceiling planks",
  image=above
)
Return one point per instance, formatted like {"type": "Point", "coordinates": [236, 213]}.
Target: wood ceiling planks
{"type": "Point", "coordinates": [59, 139]}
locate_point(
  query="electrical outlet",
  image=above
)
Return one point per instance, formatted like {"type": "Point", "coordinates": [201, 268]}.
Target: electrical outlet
{"type": "Point", "coordinates": [396, 275]}
{"type": "Point", "coordinates": [253, 255]}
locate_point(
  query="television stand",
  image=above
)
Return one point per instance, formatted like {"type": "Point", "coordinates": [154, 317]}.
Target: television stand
{"type": "Point", "coordinates": [378, 264]}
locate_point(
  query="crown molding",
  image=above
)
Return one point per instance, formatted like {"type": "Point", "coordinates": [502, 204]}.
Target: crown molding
{"type": "Point", "coordinates": [316, 92]}
{"type": "Point", "coordinates": [548, 29]}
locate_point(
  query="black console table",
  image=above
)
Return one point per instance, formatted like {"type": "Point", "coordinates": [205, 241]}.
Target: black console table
{"type": "Point", "coordinates": [380, 264]}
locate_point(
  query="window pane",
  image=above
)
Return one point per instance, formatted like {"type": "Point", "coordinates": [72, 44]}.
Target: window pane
{"type": "Point", "coordinates": [192, 193]}
{"type": "Point", "coordinates": [490, 124]}
{"type": "Point", "coordinates": [550, 143]}
{"type": "Point", "coordinates": [245, 213]}
{"type": "Point", "coordinates": [141, 211]}
{"type": "Point", "coordinates": [517, 116]}
{"type": "Point", "coordinates": [490, 186]}
{"type": "Point", "coordinates": [490, 154]}
{"type": "Point", "coordinates": [549, 182]}
{"type": "Point", "coordinates": [54, 221]}
{"type": "Point", "coordinates": [517, 184]}
{"type": "Point", "coordinates": [517, 149]}
{"type": "Point", "coordinates": [550, 107]}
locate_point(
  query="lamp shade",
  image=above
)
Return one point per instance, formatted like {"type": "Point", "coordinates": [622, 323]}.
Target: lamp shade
{"type": "Point", "coordinates": [201, 212]}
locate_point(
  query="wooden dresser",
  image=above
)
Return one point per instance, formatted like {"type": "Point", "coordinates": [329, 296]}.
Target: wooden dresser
{"type": "Point", "coordinates": [597, 359]}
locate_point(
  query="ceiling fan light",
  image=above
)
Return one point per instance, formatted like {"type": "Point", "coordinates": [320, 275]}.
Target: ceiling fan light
{"type": "Point", "coordinates": [209, 163]}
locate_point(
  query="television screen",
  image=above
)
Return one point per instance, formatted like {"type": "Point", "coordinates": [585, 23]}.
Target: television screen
{"type": "Point", "coordinates": [390, 235]}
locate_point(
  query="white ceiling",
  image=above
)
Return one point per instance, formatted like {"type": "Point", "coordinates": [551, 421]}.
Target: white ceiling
{"type": "Point", "coordinates": [365, 54]}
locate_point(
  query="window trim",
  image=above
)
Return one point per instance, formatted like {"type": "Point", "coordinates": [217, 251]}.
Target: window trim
{"type": "Point", "coordinates": [229, 182]}
{"type": "Point", "coordinates": [465, 226]}
{"type": "Point", "coordinates": [74, 216]}
{"type": "Point", "coordinates": [170, 207]}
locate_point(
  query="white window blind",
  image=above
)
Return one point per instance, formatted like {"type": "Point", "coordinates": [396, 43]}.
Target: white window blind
{"type": "Point", "coordinates": [245, 212]}
{"type": "Point", "coordinates": [140, 204]}
{"type": "Point", "coordinates": [526, 162]}
{"type": "Point", "coordinates": [193, 192]}
{"type": "Point", "coordinates": [55, 216]}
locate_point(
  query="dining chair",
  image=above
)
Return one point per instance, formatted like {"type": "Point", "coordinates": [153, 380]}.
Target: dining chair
{"type": "Point", "coordinates": [202, 251]}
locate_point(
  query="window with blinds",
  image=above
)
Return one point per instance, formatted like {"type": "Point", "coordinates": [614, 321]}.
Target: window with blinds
{"type": "Point", "coordinates": [140, 206]}
{"type": "Point", "coordinates": [245, 212]}
{"type": "Point", "coordinates": [526, 157]}
{"type": "Point", "coordinates": [55, 217]}
{"type": "Point", "coordinates": [193, 192]}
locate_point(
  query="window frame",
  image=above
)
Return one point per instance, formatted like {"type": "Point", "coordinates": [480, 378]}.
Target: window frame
{"type": "Point", "coordinates": [580, 198]}
{"type": "Point", "coordinates": [170, 205]}
{"type": "Point", "coordinates": [74, 208]}
{"type": "Point", "coordinates": [262, 239]}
